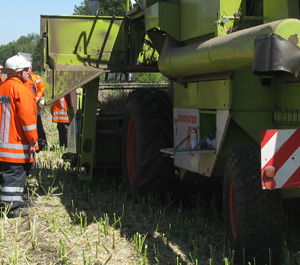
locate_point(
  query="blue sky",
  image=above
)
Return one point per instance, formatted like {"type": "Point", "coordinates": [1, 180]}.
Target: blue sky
{"type": "Point", "coordinates": [20, 18]}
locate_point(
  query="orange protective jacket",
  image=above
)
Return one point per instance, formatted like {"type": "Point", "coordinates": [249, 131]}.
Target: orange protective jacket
{"type": "Point", "coordinates": [18, 118]}
{"type": "Point", "coordinates": [1, 80]}
{"type": "Point", "coordinates": [38, 82]}
{"type": "Point", "coordinates": [59, 110]}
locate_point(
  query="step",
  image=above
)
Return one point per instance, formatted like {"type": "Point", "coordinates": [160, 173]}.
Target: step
{"type": "Point", "coordinates": [187, 150]}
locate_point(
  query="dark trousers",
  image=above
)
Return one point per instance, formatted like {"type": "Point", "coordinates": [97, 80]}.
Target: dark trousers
{"type": "Point", "coordinates": [63, 133]}
{"type": "Point", "coordinates": [42, 141]}
{"type": "Point", "coordinates": [12, 181]}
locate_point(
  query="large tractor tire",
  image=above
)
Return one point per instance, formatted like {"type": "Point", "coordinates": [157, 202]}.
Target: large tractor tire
{"type": "Point", "coordinates": [253, 217]}
{"type": "Point", "coordinates": [148, 127]}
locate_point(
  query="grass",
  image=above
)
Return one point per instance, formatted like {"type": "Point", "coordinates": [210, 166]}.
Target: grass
{"type": "Point", "coordinates": [98, 223]}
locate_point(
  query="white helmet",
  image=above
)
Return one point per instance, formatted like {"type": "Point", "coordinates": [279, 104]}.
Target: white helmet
{"type": "Point", "coordinates": [16, 63]}
{"type": "Point", "coordinates": [28, 56]}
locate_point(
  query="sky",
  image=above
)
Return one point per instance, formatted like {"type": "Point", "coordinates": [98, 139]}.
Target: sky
{"type": "Point", "coordinates": [20, 18]}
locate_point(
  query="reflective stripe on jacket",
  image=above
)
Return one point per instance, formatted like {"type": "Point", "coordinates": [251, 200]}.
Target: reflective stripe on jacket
{"type": "Point", "coordinates": [59, 111]}
{"type": "Point", "coordinates": [39, 85]}
{"type": "Point", "coordinates": [18, 121]}
{"type": "Point", "coordinates": [36, 85]}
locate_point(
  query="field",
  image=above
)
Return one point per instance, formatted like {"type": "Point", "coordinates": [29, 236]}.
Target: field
{"type": "Point", "coordinates": [98, 223]}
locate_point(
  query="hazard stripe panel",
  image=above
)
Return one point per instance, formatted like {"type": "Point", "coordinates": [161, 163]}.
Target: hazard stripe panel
{"type": "Point", "coordinates": [281, 149]}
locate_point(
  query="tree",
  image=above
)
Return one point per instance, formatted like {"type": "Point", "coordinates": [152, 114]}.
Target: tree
{"type": "Point", "coordinates": [29, 44]}
{"type": "Point", "coordinates": [149, 78]}
{"type": "Point", "coordinates": [112, 7]}
{"type": "Point", "coordinates": [80, 10]}
{"type": "Point", "coordinates": [107, 8]}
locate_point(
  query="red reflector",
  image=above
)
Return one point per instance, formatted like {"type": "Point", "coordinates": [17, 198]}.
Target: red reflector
{"type": "Point", "coordinates": [270, 172]}
{"type": "Point", "coordinates": [270, 184]}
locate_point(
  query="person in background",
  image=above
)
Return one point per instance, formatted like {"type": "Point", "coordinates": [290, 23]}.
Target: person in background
{"type": "Point", "coordinates": [18, 138]}
{"type": "Point", "coordinates": [36, 83]}
{"type": "Point", "coordinates": [59, 111]}
{"type": "Point", "coordinates": [1, 78]}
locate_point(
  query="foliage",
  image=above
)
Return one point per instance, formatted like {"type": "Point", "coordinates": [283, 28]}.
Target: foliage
{"type": "Point", "coordinates": [112, 7]}
{"type": "Point", "coordinates": [81, 9]}
{"type": "Point", "coordinates": [107, 8]}
{"type": "Point", "coordinates": [135, 78]}
{"type": "Point", "coordinates": [149, 78]}
{"type": "Point", "coordinates": [29, 44]}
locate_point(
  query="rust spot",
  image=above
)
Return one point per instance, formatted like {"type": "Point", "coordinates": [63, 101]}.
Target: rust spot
{"type": "Point", "coordinates": [208, 171]}
{"type": "Point", "coordinates": [294, 39]}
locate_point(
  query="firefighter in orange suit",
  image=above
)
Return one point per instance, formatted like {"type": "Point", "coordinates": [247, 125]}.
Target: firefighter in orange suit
{"type": "Point", "coordinates": [37, 85]}
{"type": "Point", "coordinates": [18, 134]}
{"type": "Point", "coordinates": [59, 111]}
{"type": "Point", "coordinates": [1, 78]}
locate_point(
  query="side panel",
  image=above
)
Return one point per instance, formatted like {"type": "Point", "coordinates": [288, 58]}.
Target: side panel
{"type": "Point", "coordinates": [201, 17]}
{"type": "Point", "coordinates": [163, 15]}
{"type": "Point", "coordinates": [211, 127]}
{"type": "Point", "coordinates": [278, 9]}
{"type": "Point", "coordinates": [204, 95]}
{"type": "Point", "coordinates": [184, 121]}
{"type": "Point", "coordinates": [77, 49]}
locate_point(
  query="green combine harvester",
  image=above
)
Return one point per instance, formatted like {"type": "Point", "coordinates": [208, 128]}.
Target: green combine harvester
{"type": "Point", "coordinates": [231, 111]}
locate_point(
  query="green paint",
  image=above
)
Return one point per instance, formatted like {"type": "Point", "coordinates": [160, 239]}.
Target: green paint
{"type": "Point", "coordinates": [165, 16]}
{"type": "Point", "coordinates": [203, 95]}
{"type": "Point", "coordinates": [278, 9]}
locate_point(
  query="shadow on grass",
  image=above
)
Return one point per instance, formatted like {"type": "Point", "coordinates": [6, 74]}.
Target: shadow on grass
{"type": "Point", "coordinates": [179, 227]}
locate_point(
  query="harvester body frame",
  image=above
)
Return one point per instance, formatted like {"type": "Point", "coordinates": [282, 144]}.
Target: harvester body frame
{"type": "Point", "coordinates": [201, 48]}
{"type": "Point", "coordinates": [233, 68]}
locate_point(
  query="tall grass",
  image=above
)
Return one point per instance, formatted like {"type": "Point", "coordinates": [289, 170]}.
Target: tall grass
{"type": "Point", "coordinates": [96, 222]}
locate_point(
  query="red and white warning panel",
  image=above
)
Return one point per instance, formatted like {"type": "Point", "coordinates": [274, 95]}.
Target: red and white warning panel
{"type": "Point", "coordinates": [280, 158]}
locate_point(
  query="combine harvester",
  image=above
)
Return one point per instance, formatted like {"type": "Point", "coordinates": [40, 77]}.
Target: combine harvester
{"type": "Point", "coordinates": [232, 111]}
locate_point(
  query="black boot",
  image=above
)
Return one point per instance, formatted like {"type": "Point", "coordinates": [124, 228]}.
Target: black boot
{"type": "Point", "coordinates": [17, 212]}
{"type": "Point", "coordinates": [42, 144]}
